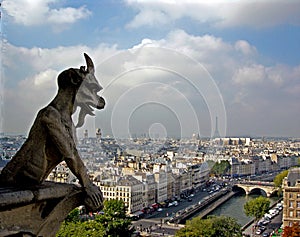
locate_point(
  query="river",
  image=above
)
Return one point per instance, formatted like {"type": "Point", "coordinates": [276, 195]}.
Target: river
{"type": "Point", "coordinates": [234, 207]}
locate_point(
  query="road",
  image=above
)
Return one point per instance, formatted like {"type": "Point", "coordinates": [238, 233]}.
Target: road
{"type": "Point", "coordinates": [273, 225]}
{"type": "Point", "coordinates": [181, 205]}
{"type": "Point", "coordinates": [155, 222]}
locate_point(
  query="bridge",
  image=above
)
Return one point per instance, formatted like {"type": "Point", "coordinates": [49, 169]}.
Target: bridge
{"type": "Point", "coordinates": [249, 186]}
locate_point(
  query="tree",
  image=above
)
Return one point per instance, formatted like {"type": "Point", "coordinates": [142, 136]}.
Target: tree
{"type": "Point", "coordinates": [214, 226]}
{"type": "Point", "coordinates": [113, 223]}
{"type": "Point", "coordinates": [79, 229]}
{"type": "Point", "coordinates": [114, 220]}
{"type": "Point", "coordinates": [73, 216]}
{"type": "Point", "coordinates": [220, 168]}
{"type": "Point", "coordinates": [291, 231]}
{"type": "Point", "coordinates": [257, 207]}
{"type": "Point", "coordinates": [278, 178]}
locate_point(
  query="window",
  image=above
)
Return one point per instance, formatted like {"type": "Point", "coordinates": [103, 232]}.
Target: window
{"type": "Point", "coordinates": [298, 204]}
{"type": "Point", "coordinates": [291, 213]}
{"type": "Point", "coordinates": [290, 195]}
{"type": "Point", "coordinates": [298, 214]}
{"type": "Point", "coordinates": [291, 204]}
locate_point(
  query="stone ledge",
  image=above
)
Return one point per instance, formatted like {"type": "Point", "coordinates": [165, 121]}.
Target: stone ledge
{"type": "Point", "coordinates": [37, 211]}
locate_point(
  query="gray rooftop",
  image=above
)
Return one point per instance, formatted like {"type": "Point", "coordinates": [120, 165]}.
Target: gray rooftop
{"type": "Point", "coordinates": [293, 176]}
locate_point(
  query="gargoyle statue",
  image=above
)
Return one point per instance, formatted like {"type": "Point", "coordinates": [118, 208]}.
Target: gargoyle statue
{"type": "Point", "coordinates": [51, 139]}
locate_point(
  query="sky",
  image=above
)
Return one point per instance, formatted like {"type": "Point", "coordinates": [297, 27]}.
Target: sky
{"type": "Point", "coordinates": [168, 68]}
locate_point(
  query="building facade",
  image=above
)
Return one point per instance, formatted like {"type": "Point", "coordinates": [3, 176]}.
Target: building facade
{"type": "Point", "coordinates": [126, 188]}
{"type": "Point", "coordinates": [291, 198]}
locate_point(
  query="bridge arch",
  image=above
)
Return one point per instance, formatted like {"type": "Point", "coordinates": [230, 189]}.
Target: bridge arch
{"type": "Point", "coordinates": [238, 189]}
{"type": "Point", "coordinates": [262, 191]}
{"type": "Point", "coordinates": [250, 188]}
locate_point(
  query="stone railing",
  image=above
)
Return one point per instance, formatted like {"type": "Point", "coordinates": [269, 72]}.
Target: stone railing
{"type": "Point", "coordinates": [38, 211]}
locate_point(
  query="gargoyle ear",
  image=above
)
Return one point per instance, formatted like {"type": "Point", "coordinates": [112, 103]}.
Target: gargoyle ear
{"type": "Point", "coordinates": [82, 69]}
{"type": "Point", "coordinates": [89, 64]}
{"type": "Point", "coordinates": [76, 78]}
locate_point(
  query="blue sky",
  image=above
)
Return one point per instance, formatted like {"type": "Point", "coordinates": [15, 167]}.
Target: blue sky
{"type": "Point", "coordinates": [177, 64]}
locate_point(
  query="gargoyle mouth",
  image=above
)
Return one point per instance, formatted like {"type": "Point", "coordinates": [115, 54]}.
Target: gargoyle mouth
{"type": "Point", "coordinates": [88, 108]}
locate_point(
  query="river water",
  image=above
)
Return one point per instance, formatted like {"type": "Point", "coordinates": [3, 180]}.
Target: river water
{"type": "Point", "coordinates": [234, 207]}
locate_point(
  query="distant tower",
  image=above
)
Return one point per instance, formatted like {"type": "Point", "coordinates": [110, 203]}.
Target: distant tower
{"type": "Point", "coordinates": [98, 134]}
{"type": "Point", "coordinates": [86, 133]}
{"type": "Point", "coordinates": [216, 134]}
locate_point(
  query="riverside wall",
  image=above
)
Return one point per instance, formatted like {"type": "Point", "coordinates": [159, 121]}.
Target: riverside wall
{"type": "Point", "coordinates": [204, 207]}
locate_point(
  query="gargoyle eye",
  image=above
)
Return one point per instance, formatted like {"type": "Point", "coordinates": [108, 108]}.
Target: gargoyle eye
{"type": "Point", "coordinates": [95, 87]}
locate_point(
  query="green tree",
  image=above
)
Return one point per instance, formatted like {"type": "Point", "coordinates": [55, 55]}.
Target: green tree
{"type": "Point", "coordinates": [220, 168]}
{"type": "Point", "coordinates": [214, 226]}
{"type": "Point", "coordinates": [114, 220]}
{"type": "Point", "coordinates": [79, 229]}
{"type": "Point", "coordinates": [278, 180]}
{"type": "Point", "coordinates": [73, 216]}
{"type": "Point", "coordinates": [113, 223]}
{"type": "Point", "coordinates": [257, 207]}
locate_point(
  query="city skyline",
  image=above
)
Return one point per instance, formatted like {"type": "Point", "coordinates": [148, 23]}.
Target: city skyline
{"type": "Point", "coordinates": [166, 67]}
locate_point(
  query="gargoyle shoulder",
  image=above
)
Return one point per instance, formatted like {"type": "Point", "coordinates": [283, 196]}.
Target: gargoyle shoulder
{"type": "Point", "coordinates": [49, 114]}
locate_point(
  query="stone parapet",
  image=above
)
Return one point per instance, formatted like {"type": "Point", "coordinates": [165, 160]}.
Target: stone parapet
{"type": "Point", "coordinates": [37, 211]}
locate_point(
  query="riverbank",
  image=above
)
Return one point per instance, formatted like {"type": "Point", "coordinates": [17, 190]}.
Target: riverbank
{"type": "Point", "coordinates": [248, 227]}
{"type": "Point", "coordinates": [203, 207]}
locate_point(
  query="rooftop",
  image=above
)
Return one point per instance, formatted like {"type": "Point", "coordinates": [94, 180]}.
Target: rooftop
{"type": "Point", "coordinates": [294, 176]}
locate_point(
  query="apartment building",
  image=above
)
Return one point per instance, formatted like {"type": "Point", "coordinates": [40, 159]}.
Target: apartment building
{"type": "Point", "coordinates": [62, 174]}
{"type": "Point", "coordinates": [149, 190]}
{"type": "Point", "coordinates": [291, 197]}
{"type": "Point", "coordinates": [126, 188]}
{"type": "Point", "coordinates": [161, 180]}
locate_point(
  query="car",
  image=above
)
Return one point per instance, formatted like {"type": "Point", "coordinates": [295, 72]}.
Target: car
{"type": "Point", "coordinates": [265, 222]}
{"type": "Point", "coordinates": [262, 228]}
{"type": "Point", "coordinates": [258, 232]}
{"type": "Point", "coordinates": [159, 209]}
{"type": "Point", "coordinates": [266, 234]}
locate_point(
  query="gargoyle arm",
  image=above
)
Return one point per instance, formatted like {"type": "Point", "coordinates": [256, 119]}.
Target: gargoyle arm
{"type": "Point", "coordinates": [64, 142]}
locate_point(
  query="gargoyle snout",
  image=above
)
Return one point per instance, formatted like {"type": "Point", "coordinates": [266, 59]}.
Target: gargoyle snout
{"type": "Point", "coordinates": [101, 103]}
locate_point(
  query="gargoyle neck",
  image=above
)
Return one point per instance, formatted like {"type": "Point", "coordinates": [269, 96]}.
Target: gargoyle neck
{"type": "Point", "coordinates": [64, 101]}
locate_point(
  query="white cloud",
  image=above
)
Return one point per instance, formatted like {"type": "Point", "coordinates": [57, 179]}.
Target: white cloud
{"type": "Point", "coordinates": [41, 81]}
{"type": "Point", "coordinates": [249, 87]}
{"type": "Point", "coordinates": [250, 74]}
{"type": "Point", "coordinates": [222, 13]}
{"type": "Point", "coordinates": [39, 12]}
{"type": "Point", "coordinates": [244, 47]}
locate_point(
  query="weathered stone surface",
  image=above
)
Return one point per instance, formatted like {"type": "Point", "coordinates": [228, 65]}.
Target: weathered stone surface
{"type": "Point", "coordinates": [40, 211]}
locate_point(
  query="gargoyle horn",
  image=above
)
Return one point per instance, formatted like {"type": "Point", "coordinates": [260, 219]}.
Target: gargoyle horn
{"type": "Point", "coordinates": [89, 64]}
